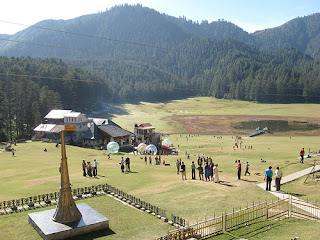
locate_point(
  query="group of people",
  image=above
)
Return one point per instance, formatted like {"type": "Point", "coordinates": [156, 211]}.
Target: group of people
{"type": "Point", "coordinates": [89, 169]}
{"type": "Point", "coordinates": [210, 170]}
{"type": "Point", "coordinates": [157, 160]}
{"type": "Point", "coordinates": [247, 165]}
{"type": "Point", "coordinates": [125, 164]}
{"type": "Point", "coordinates": [268, 177]}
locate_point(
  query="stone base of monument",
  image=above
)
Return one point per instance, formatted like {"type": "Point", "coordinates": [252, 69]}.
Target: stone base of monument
{"type": "Point", "coordinates": [48, 229]}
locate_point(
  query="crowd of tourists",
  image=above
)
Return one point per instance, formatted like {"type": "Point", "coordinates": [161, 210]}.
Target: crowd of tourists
{"type": "Point", "coordinates": [207, 170]}
{"type": "Point", "coordinates": [89, 169]}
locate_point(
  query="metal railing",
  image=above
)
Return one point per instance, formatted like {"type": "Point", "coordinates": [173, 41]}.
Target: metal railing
{"type": "Point", "coordinates": [289, 207]}
{"type": "Point", "coordinates": [47, 199]}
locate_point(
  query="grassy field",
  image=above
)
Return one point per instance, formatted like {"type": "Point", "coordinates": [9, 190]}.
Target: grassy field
{"type": "Point", "coordinates": [123, 221]}
{"type": "Point", "coordinates": [166, 117]}
{"type": "Point", "coordinates": [280, 228]}
{"type": "Point", "coordinates": [33, 171]}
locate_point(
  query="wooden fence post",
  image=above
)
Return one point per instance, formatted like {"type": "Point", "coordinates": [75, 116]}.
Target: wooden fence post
{"type": "Point", "coordinates": [267, 213]}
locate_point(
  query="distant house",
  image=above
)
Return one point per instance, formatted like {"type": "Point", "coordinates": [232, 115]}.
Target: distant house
{"type": "Point", "coordinates": [93, 137]}
{"type": "Point", "coordinates": [79, 121]}
{"type": "Point", "coordinates": [146, 133]}
{"type": "Point", "coordinates": [90, 132]}
{"type": "Point", "coordinates": [56, 116]}
{"type": "Point", "coordinates": [42, 129]}
{"type": "Point", "coordinates": [116, 134]}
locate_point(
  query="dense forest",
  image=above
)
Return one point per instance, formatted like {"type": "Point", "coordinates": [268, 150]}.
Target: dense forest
{"type": "Point", "coordinates": [30, 88]}
{"type": "Point", "coordinates": [133, 53]}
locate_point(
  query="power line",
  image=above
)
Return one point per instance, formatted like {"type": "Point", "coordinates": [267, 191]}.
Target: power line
{"type": "Point", "coordinates": [106, 71]}
{"type": "Point", "coordinates": [89, 81]}
{"type": "Point", "coordinates": [93, 36]}
{"type": "Point", "coordinates": [132, 74]}
{"type": "Point", "coordinates": [172, 88]}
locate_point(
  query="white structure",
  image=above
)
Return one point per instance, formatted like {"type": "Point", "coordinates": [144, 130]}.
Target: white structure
{"type": "Point", "coordinates": [42, 129]}
{"type": "Point", "coordinates": [79, 121]}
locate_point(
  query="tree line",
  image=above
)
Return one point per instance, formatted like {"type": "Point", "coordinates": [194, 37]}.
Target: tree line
{"type": "Point", "coordinates": [30, 88]}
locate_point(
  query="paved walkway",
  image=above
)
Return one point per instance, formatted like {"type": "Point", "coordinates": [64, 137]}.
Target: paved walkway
{"type": "Point", "coordinates": [289, 178]}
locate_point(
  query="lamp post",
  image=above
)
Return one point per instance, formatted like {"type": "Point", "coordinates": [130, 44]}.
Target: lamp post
{"type": "Point", "coordinates": [66, 211]}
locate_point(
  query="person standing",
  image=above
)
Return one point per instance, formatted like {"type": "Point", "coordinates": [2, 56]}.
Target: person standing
{"type": "Point", "coordinates": [178, 165]}
{"type": "Point", "coordinates": [183, 171]}
{"type": "Point", "coordinates": [207, 172]}
{"type": "Point", "coordinates": [127, 164]}
{"type": "Point", "coordinates": [302, 155]}
{"type": "Point", "coordinates": [247, 168]}
{"type": "Point", "coordinates": [268, 175]}
{"type": "Point", "coordinates": [122, 164]}
{"type": "Point", "coordinates": [278, 176]}
{"type": "Point", "coordinates": [211, 169]}
{"type": "Point", "coordinates": [200, 169]}
{"type": "Point", "coordinates": [150, 159]}
{"type": "Point", "coordinates": [239, 169]}
{"type": "Point", "coordinates": [216, 173]}
{"type": "Point", "coordinates": [89, 169]}
{"type": "Point", "coordinates": [145, 160]}
{"type": "Point", "coordinates": [95, 167]}
{"type": "Point", "coordinates": [193, 170]}
{"type": "Point", "coordinates": [84, 166]}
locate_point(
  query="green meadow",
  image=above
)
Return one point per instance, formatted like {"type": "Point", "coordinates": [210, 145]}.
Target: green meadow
{"type": "Point", "coordinates": [33, 171]}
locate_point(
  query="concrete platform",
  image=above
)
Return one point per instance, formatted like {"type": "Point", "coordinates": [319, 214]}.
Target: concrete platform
{"type": "Point", "coordinates": [48, 229]}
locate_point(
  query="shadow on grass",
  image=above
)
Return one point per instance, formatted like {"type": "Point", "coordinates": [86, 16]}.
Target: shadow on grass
{"type": "Point", "coordinates": [254, 229]}
{"type": "Point", "coordinates": [225, 183]}
{"type": "Point", "coordinates": [296, 194]}
{"type": "Point", "coordinates": [248, 180]}
{"type": "Point", "coordinates": [93, 235]}
{"type": "Point", "coordinates": [131, 172]}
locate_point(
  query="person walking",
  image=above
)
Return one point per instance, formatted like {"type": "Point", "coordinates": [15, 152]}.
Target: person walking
{"type": "Point", "coordinates": [268, 175]}
{"type": "Point", "coordinates": [247, 168]}
{"type": "Point", "coordinates": [183, 171]}
{"type": "Point", "coordinates": [239, 169]}
{"type": "Point", "coordinates": [145, 160]}
{"type": "Point", "coordinates": [84, 166]}
{"type": "Point", "coordinates": [150, 159]}
{"type": "Point", "coordinates": [277, 177]}
{"type": "Point", "coordinates": [95, 168]}
{"type": "Point", "coordinates": [193, 170]}
{"type": "Point", "coordinates": [302, 155]}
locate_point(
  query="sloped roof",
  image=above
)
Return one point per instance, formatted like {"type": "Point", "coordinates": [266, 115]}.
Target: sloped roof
{"type": "Point", "coordinates": [103, 121]}
{"type": "Point", "coordinates": [93, 133]}
{"type": "Point", "coordinates": [145, 126]}
{"type": "Point", "coordinates": [114, 131]}
{"type": "Point", "coordinates": [72, 114]}
{"type": "Point", "coordinates": [57, 129]}
{"type": "Point", "coordinates": [57, 114]}
{"type": "Point", "coordinates": [44, 127]}
{"type": "Point", "coordinates": [100, 121]}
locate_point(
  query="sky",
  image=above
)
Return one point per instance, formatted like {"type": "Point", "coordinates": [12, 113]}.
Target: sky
{"type": "Point", "coordinates": [250, 15]}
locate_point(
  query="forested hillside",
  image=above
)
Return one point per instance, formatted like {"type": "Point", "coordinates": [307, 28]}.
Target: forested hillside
{"type": "Point", "coordinates": [30, 88]}
{"type": "Point", "coordinates": [133, 53]}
